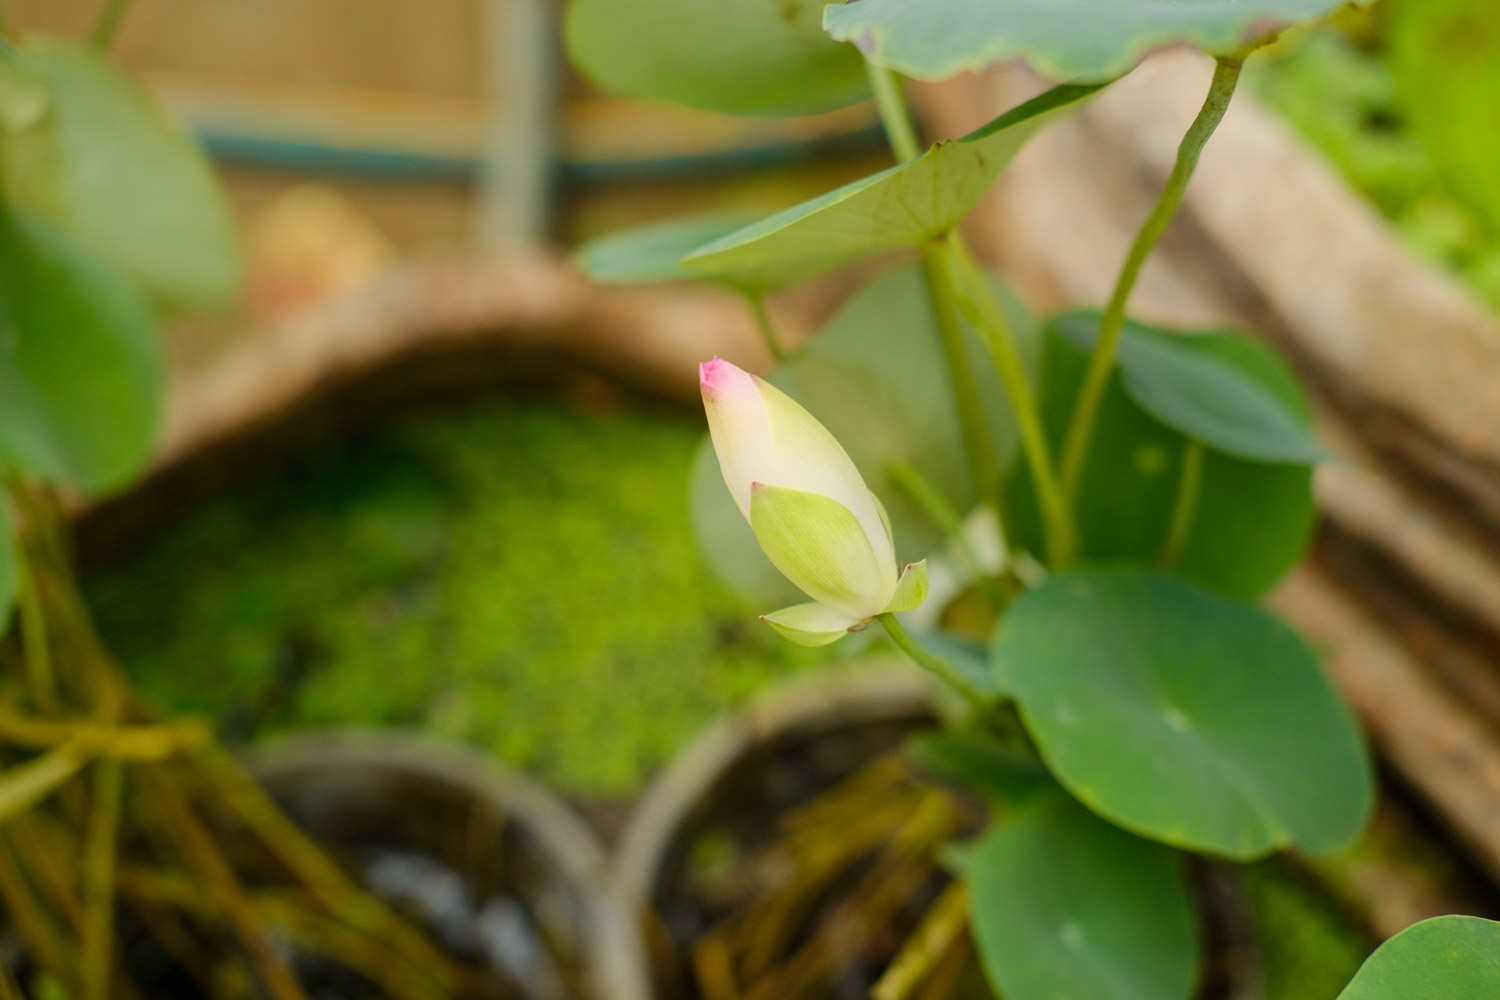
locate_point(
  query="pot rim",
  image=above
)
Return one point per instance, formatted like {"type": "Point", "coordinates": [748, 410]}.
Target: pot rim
{"type": "Point", "coordinates": [616, 963]}
{"type": "Point", "coordinates": [875, 690]}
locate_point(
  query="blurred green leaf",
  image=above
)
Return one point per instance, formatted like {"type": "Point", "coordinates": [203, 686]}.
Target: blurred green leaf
{"type": "Point", "coordinates": [904, 206]}
{"type": "Point", "coordinates": [1183, 716]}
{"type": "Point", "coordinates": [1252, 520]}
{"type": "Point", "coordinates": [108, 166]}
{"type": "Point", "coordinates": [1445, 58]}
{"type": "Point", "coordinates": [748, 57]}
{"type": "Point", "coordinates": [980, 764]}
{"type": "Point", "coordinates": [23, 98]}
{"type": "Point", "coordinates": [81, 373]}
{"type": "Point", "coordinates": [1067, 907]}
{"type": "Point", "coordinates": [1444, 958]}
{"type": "Point", "coordinates": [1214, 387]}
{"type": "Point", "coordinates": [653, 252]}
{"type": "Point", "coordinates": [876, 377]}
{"type": "Point", "coordinates": [1063, 39]}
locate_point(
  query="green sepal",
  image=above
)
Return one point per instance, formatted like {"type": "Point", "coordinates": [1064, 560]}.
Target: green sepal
{"type": "Point", "coordinates": [911, 589]}
{"type": "Point", "coordinates": [817, 543]}
{"type": "Point", "coordinates": [811, 624]}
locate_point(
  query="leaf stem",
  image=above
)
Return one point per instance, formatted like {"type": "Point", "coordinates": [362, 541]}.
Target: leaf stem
{"type": "Point", "coordinates": [757, 303]}
{"type": "Point", "coordinates": [978, 444]}
{"type": "Point", "coordinates": [932, 663]}
{"type": "Point", "coordinates": [984, 467]}
{"type": "Point", "coordinates": [977, 300]}
{"type": "Point", "coordinates": [108, 24]}
{"type": "Point", "coordinates": [1189, 486]}
{"type": "Point", "coordinates": [899, 130]}
{"type": "Point", "coordinates": [1091, 395]}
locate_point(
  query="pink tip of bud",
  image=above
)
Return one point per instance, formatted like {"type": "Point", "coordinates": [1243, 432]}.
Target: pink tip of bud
{"type": "Point", "coordinates": [719, 376]}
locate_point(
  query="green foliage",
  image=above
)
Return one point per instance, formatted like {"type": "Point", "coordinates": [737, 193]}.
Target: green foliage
{"type": "Point", "coordinates": [1067, 907]}
{"type": "Point", "coordinates": [905, 206]}
{"type": "Point", "coordinates": [1224, 390]}
{"type": "Point", "coordinates": [1343, 100]}
{"type": "Point", "coordinates": [1444, 56]}
{"type": "Point", "coordinates": [518, 577]}
{"type": "Point", "coordinates": [1006, 776]}
{"type": "Point", "coordinates": [653, 252]}
{"type": "Point", "coordinates": [107, 166]}
{"type": "Point", "coordinates": [876, 377]}
{"type": "Point", "coordinates": [749, 57]}
{"type": "Point", "coordinates": [1073, 39]}
{"type": "Point", "coordinates": [1251, 520]}
{"type": "Point", "coordinates": [1184, 716]}
{"type": "Point", "coordinates": [23, 98]}
{"type": "Point", "coordinates": [81, 373]}
{"type": "Point", "coordinates": [1306, 946]}
{"type": "Point", "coordinates": [1438, 959]}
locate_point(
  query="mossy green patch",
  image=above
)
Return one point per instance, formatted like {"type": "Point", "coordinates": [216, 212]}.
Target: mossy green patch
{"type": "Point", "coordinates": [515, 575]}
{"type": "Point", "coordinates": [1308, 950]}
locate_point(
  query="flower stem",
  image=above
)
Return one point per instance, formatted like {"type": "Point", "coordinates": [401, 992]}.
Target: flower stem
{"type": "Point", "coordinates": [109, 22]}
{"type": "Point", "coordinates": [936, 507]}
{"type": "Point", "coordinates": [932, 663]}
{"type": "Point", "coordinates": [1186, 508]}
{"type": "Point", "coordinates": [757, 303]}
{"type": "Point", "coordinates": [977, 300]}
{"type": "Point", "coordinates": [899, 130]}
{"type": "Point", "coordinates": [1091, 395]}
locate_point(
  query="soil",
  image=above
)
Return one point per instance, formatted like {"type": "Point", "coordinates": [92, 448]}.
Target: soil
{"type": "Point", "coordinates": [717, 870]}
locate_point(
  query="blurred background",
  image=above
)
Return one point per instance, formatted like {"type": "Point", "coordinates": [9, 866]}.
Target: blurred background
{"type": "Point", "coordinates": [424, 475]}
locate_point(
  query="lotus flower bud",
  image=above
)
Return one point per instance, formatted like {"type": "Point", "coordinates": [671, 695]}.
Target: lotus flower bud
{"type": "Point", "coordinates": [810, 509]}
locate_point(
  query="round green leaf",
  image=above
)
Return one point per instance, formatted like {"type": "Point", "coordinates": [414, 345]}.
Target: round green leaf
{"type": "Point", "coordinates": [904, 206]}
{"type": "Point", "coordinates": [1445, 58]}
{"type": "Point", "coordinates": [1062, 39]}
{"type": "Point", "coordinates": [1219, 388]}
{"type": "Point", "coordinates": [747, 57]}
{"type": "Point", "coordinates": [1444, 958]}
{"type": "Point", "coordinates": [876, 377]}
{"type": "Point", "coordinates": [1252, 520]}
{"type": "Point", "coordinates": [653, 252]}
{"type": "Point", "coordinates": [82, 378]}
{"type": "Point", "coordinates": [1067, 907]}
{"type": "Point", "coordinates": [1183, 716]}
{"type": "Point", "coordinates": [124, 181]}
